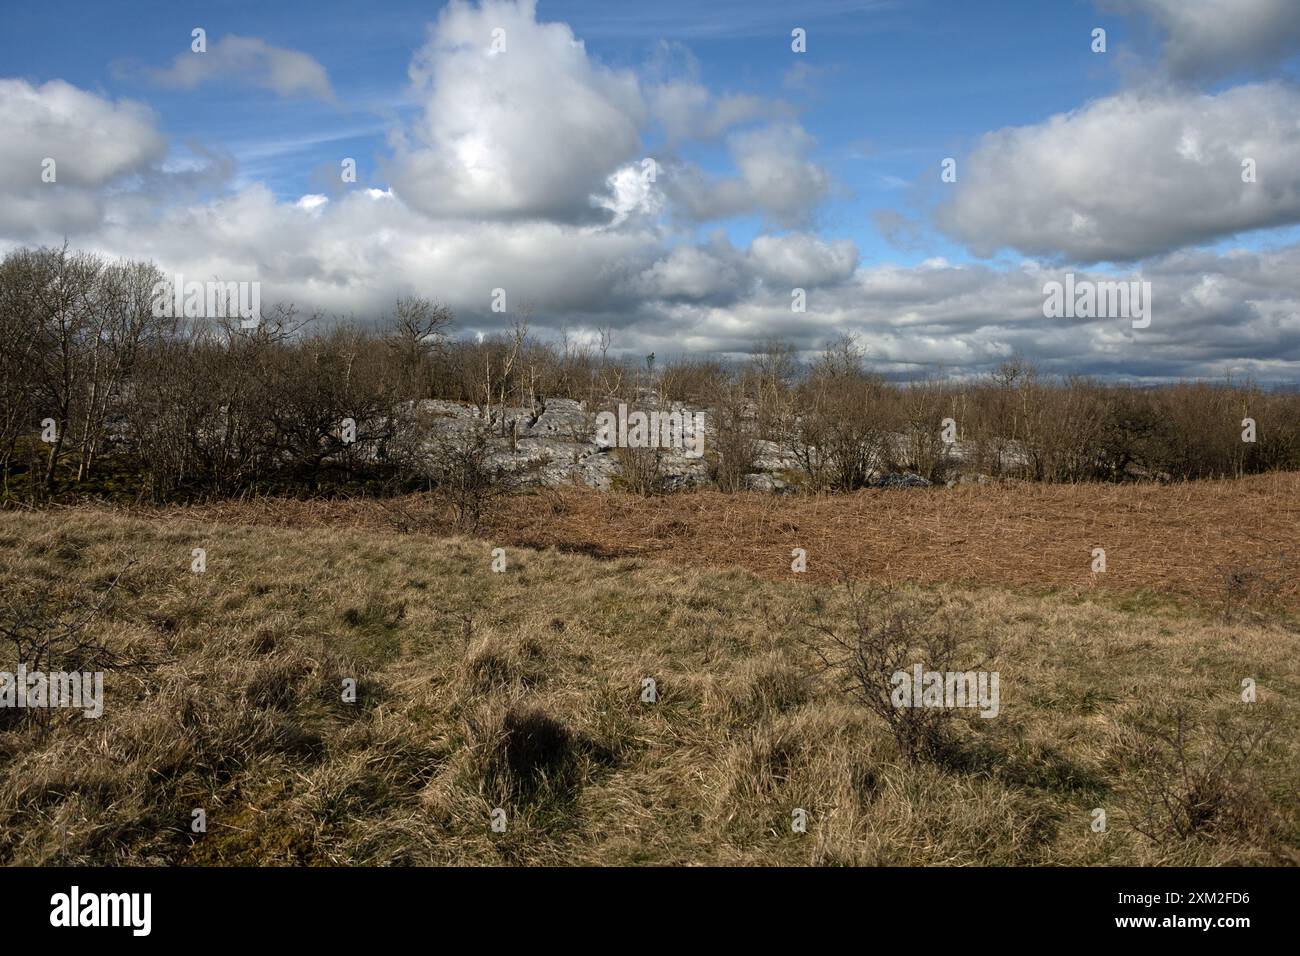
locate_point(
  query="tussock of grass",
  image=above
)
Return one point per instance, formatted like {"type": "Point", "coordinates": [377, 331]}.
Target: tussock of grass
{"type": "Point", "coordinates": [522, 691]}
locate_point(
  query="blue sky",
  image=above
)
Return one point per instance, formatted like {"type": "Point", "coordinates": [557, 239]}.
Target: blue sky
{"type": "Point", "coordinates": [891, 88]}
{"type": "Point", "coordinates": [830, 164]}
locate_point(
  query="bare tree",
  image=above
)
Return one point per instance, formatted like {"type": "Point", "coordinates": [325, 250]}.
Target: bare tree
{"type": "Point", "coordinates": [19, 349]}
{"type": "Point", "coordinates": [121, 319]}
{"type": "Point", "coordinates": [63, 290]}
{"type": "Point", "coordinates": [417, 332]}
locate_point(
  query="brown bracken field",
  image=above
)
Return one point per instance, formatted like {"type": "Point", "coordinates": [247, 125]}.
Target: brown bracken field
{"type": "Point", "coordinates": [1204, 541]}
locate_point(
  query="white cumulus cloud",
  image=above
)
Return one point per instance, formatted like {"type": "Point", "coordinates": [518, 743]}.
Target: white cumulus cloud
{"type": "Point", "coordinates": [1132, 175]}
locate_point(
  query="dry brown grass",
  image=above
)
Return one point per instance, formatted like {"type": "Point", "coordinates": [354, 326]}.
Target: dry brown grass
{"type": "Point", "coordinates": [1209, 542]}
{"type": "Point", "coordinates": [522, 690]}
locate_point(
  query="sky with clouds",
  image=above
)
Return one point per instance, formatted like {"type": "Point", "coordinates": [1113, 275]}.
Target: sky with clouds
{"type": "Point", "coordinates": [674, 170]}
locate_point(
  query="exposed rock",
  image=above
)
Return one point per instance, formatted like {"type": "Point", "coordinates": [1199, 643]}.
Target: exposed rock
{"type": "Point", "coordinates": [555, 445]}
{"type": "Point", "coordinates": [562, 418]}
{"type": "Point", "coordinates": [965, 479]}
{"type": "Point", "coordinates": [772, 457]}
{"type": "Point", "coordinates": [903, 479]}
{"type": "Point", "coordinates": [762, 481]}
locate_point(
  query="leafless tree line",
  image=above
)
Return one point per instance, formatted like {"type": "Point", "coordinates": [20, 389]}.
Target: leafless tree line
{"type": "Point", "coordinates": [100, 395]}
{"type": "Point", "coordinates": [843, 424]}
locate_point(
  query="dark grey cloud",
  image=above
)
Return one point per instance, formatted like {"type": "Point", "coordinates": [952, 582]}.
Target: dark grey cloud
{"type": "Point", "coordinates": [1208, 39]}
